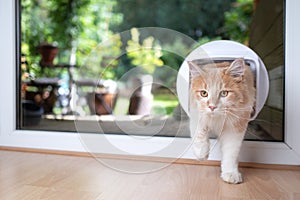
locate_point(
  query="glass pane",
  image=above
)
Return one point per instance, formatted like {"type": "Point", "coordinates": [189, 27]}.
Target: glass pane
{"type": "Point", "coordinates": [266, 37]}
{"type": "Point", "coordinates": [86, 68]}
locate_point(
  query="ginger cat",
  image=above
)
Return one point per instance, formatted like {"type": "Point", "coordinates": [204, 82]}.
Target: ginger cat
{"type": "Point", "coordinates": [222, 98]}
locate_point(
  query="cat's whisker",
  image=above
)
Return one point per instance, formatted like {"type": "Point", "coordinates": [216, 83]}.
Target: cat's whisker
{"type": "Point", "coordinates": [248, 108]}
{"type": "Point", "coordinates": [236, 116]}
{"type": "Point", "coordinates": [234, 126]}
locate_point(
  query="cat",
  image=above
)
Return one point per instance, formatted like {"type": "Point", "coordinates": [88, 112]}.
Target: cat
{"type": "Point", "coordinates": [222, 99]}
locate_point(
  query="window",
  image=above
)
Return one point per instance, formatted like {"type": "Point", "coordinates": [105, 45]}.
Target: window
{"type": "Point", "coordinates": [129, 79]}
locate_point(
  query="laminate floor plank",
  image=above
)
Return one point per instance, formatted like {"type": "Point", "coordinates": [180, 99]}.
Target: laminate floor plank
{"type": "Point", "coordinates": [25, 175]}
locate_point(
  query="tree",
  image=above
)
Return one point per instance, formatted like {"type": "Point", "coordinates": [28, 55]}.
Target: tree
{"type": "Point", "coordinates": [75, 26]}
{"type": "Point", "coordinates": [237, 21]}
{"type": "Point", "coordinates": [145, 54]}
{"type": "Point", "coordinates": [195, 18]}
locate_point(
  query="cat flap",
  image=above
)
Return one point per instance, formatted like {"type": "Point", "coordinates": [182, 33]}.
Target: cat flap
{"type": "Point", "coordinates": [224, 51]}
{"type": "Point", "coordinates": [234, 67]}
{"type": "Point", "coordinates": [223, 62]}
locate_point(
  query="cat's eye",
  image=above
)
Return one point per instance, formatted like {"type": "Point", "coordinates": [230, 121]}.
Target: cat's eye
{"type": "Point", "coordinates": [203, 93]}
{"type": "Point", "coordinates": [224, 93]}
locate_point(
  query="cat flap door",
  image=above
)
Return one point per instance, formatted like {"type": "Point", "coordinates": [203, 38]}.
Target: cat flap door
{"type": "Point", "coordinates": [224, 50]}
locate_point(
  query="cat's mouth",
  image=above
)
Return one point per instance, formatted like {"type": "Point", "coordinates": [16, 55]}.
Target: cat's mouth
{"type": "Point", "coordinates": [216, 111]}
{"type": "Point", "coordinates": [213, 110]}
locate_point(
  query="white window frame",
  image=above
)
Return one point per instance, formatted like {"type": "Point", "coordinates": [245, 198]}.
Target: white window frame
{"type": "Point", "coordinates": [287, 152]}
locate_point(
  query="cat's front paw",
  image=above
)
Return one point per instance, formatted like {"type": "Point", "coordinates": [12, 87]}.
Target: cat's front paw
{"type": "Point", "coordinates": [232, 177]}
{"type": "Point", "coordinates": [201, 150]}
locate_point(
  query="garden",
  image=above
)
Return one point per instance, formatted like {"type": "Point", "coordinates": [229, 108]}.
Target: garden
{"type": "Point", "coordinates": [104, 51]}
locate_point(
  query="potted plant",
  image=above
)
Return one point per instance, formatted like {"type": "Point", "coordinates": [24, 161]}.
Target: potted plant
{"type": "Point", "coordinates": [48, 52]}
{"type": "Point", "coordinates": [99, 72]}
{"type": "Point", "coordinates": [31, 112]}
{"type": "Point", "coordinates": [147, 56]}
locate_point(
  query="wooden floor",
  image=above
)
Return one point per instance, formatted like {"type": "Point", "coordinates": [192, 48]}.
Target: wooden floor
{"type": "Point", "coordinates": [45, 176]}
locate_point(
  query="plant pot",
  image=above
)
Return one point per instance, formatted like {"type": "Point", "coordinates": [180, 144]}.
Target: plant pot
{"type": "Point", "coordinates": [101, 103]}
{"type": "Point", "coordinates": [140, 104]}
{"type": "Point", "coordinates": [48, 53]}
{"type": "Point", "coordinates": [32, 113]}
{"type": "Point", "coordinates": [45, 99]}
{"type": "Point", "coordinates": [141, 99]}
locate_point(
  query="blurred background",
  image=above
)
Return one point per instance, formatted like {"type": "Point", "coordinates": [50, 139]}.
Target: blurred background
{"type": "Point", "coordinates": [92, 60]}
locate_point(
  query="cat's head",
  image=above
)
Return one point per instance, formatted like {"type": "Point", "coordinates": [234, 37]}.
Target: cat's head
{"type": "Point", "coordinates": [220, 87]}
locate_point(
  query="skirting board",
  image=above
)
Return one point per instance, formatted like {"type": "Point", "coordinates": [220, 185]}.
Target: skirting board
{"type": "Point", "coordinates": [150, 159]}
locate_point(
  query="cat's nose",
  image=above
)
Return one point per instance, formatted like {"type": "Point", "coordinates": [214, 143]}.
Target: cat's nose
{"type": "Point", "coordinates": [212, 107]}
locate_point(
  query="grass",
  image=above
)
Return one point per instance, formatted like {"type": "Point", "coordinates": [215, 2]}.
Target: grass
{"type": "Point", "coordinates": [163, 104]}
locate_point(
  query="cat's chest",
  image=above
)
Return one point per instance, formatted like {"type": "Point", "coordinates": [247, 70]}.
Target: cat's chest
{"type": "Point", "coordinates": [214, 124]}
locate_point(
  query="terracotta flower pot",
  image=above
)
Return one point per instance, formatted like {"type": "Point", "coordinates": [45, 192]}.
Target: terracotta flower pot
{"type": "Point", "coordinates": [32, 113]}
{"type": "Point", "coordinates": [48, 53]}
{"type": "Point", "coordinates": [101, 103]}
{"type": "Point", "coordinates": [141, 100]}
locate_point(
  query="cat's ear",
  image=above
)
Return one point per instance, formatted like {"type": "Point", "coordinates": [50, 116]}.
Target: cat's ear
{"type": "Point", "coordinates": [195, 70]}
{"type": "Point", "coordinates": [237, 68]}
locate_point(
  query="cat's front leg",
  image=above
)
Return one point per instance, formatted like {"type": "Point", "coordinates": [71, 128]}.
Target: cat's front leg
{"type": "Point", "coordinates": [201, 145]}
{"type": "Point", "coordinates": [230, 145]}
{"type": "Point", "coordinates": [200, 137]}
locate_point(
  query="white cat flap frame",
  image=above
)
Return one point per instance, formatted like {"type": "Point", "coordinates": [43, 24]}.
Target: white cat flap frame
{"type": "Point", "coordinates": [224, 50]}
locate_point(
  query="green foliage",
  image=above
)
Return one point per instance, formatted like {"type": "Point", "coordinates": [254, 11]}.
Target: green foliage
{"type": "Point", "coordinates": [164, 104]}
{"type": "Point", "coordinates": [80, 25]}
{"type": "Point", "coordinates": [65, 20]}
{"type": "Point", "coordinates": [195, 18]}
{"type": "Point", "coordinates": [34, 27]}
{"type": "Point", "coordinates": [75, 26]}
{"type": "Point", "coordinates": [175, 52]}
{"type": "Point", "coordinates": [103, 60]}
{"type": "Point", "coordinates": [204, 40]}
{"type": "Point", "coordinates": [146, 54]}
{"type": "Point", "coordinates": [237, 21]}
